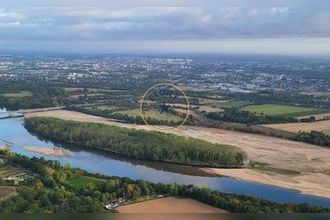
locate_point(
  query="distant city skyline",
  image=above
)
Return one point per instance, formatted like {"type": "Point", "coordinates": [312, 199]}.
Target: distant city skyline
{"type": "Point", "coordinates": [292, 27]}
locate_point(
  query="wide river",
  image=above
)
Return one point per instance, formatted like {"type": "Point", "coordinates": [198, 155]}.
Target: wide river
{"type": "Point", "coordinates": [13, 130]}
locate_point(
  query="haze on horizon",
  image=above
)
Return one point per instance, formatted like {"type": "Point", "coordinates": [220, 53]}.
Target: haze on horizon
{"type": "Point", "coordinates": [292, 27]}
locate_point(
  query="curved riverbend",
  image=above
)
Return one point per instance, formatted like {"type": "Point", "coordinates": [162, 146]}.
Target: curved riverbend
{"type": "Point", "coordinates": [97, 162]}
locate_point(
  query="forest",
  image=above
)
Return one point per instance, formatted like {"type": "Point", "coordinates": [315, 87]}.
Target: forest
{"type": "Point", "coordinates": [42, 95]}
{"type": "Point", "coordinates": [51, 191]}
{"type": "Point", "coordinates": [137, 144]}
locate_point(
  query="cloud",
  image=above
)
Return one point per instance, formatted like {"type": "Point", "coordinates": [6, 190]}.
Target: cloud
{"type": "Point", "coordinates": [87, 22]}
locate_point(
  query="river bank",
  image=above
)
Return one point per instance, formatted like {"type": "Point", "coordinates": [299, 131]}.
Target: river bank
{"type": "Point", "coordinates": [311, 162]}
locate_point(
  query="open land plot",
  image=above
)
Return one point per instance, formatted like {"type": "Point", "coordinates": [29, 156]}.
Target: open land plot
{"type": "Point", "coordinates": [322, 126]}
{"type": "Point", "coordinates": [310, 161]}
{"type": "Point", "coordinates": [221, 104]}
{"type": "Point", "coordinates": [10, 171]}
{"type": "Point", "coordinates": [285, 110]}
{"type": "Point", "coordinates": [83, 181]}
{"type": "Point", "coordinates": [169, 205]}
{"type": "Point", "coordinates": [7, 170]}
{"type": "Point", "coordinates": [73, 89]}
{"type": "Point", "coordinates": [7, 191]}
{"type": "Point", "coordinates": [103, 107]}
{"type": "Point", "coordinates": [21, 94]}
{"type": "Point", "coordinates": [88, 95]}
{"type": "Point", "coordinates": [209, 108]}
{"type": "Point", "coordinates": [322, 116]}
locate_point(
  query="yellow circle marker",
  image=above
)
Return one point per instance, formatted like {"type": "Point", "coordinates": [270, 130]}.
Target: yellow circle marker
{"type": "Point", "coordinates": [171, 86]}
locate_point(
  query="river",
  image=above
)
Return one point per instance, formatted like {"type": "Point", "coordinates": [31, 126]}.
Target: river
{"type": "Point", "coordinates": [13, 130]}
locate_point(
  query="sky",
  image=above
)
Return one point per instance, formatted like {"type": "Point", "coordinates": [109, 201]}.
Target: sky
{"type": "Point", "coordinates": [297, 27]}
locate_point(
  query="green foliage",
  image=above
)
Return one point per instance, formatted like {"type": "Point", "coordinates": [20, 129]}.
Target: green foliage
{"type": "Point", "coordinates": [282, 110]}
{"type": "Point", "coordinates": [314, 137]}
{"type": "Point", "coordinates": [39, 196]}
{"type": "Point", "coordinates": [41, 95]}
{"type": "Point", "coordinates": [137, 144]}
{"type": "Point", "coordinates": [246, 117]}
{"type": "Point", "coordinates": [284, 98]}
{"type": "Point", "coordinates": [83, 181]}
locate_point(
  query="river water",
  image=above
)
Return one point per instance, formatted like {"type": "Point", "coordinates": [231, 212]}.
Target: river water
{"type": "Point", "coordinates": [13, 130]}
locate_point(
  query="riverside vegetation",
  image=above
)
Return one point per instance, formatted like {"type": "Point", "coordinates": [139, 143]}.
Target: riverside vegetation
{"type": "Point", "coordinates": [137, 144]}
{"type": "Point", "coordinates": [55, 189]}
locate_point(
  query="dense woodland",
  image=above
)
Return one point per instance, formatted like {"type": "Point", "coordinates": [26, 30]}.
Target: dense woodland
{"type": "Point", "coordinates": [43, 95]}
{"type": "Point", "coordinates": [245, 117]}
{"type": "Point", "coordinates": [52, 190]}
{"type": "Point", "coordinates": [137, 144]}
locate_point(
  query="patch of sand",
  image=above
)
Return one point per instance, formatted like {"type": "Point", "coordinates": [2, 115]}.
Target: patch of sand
{"type": "Point", "coordinates": [169, 205]}
{"type": "Point", "coordinates": [306, 183]}
{"type": "Point", "coordinates": [323, 126]}
{"type": "Point", "coordinates": [49, 151]}
{"type": "Point", "coordinates": [311, 161]}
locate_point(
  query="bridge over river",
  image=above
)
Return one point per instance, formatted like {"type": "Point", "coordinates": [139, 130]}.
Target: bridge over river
{"type": "Point", "coordinates": [20, 113]}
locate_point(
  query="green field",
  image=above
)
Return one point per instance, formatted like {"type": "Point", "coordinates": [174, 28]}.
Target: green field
{"type": "Point", "coordinates": [83, 181]}
{"type": "Point", "coordinates": [234, 104]}
{"type": "Point", "coordinates": [165, 116]}
{"type": "Point", "coordinates": [21, 94]}
{"type": "Point", "coordinates": [102, 107]}
{"type": "Point", "coordinates": [284, 110]}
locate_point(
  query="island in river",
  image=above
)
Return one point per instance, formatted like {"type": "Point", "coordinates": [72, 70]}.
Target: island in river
{"type": "Point", "coordinates": [310, 163]}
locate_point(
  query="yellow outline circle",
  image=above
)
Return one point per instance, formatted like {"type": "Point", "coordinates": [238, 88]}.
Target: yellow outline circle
{"type": "Point", "coordinates": [169, 85]}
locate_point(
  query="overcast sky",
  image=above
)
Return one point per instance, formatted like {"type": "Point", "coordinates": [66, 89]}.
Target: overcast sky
{"type": "Point", "coordinates": [236, 26]}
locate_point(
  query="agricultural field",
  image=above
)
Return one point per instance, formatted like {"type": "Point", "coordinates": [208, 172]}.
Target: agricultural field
{"type": "Point", "coordinates": [220, 104]}
{"type": "Point", "coordinates": [322, 126]}
{"type": "Point", "coordinates": [234, 104]}
{"type": "Point", "coordinates": [284, 110]}
{"type": "Point", "coordinates": [7, 171]}
{"type": "Point", "coordinates": [21, 94]}
{"type": "Point", "coordinates": [83, 181]}
{"type": "Point", "coordinates": [169, 205]}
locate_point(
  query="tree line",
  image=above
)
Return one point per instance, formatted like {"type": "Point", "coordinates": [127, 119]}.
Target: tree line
{"type": "Point", "coordinates": [106, 113]}
{"type": "Point", "coordinates": [50, 191]}
{"type": "Point", "coordinates": [137, 144]}
{"type": "Point", "coordinates": [313, 137]}
{"type": "Point", "coordinates": [246, 117]}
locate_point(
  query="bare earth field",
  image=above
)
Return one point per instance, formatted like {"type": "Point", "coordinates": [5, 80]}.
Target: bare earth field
{"type": "Point", "coordinates": [49, 151]}
{"type": "Point", "coordinates": [323, 126]}
{"type": "Point", "coordinates": [169, 205]}
{"type": "Point", "coordinates": [311, 162]}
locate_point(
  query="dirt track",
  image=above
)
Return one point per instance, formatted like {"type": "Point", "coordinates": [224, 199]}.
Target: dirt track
{"type": "Point", "coordinates": [311, 161]}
